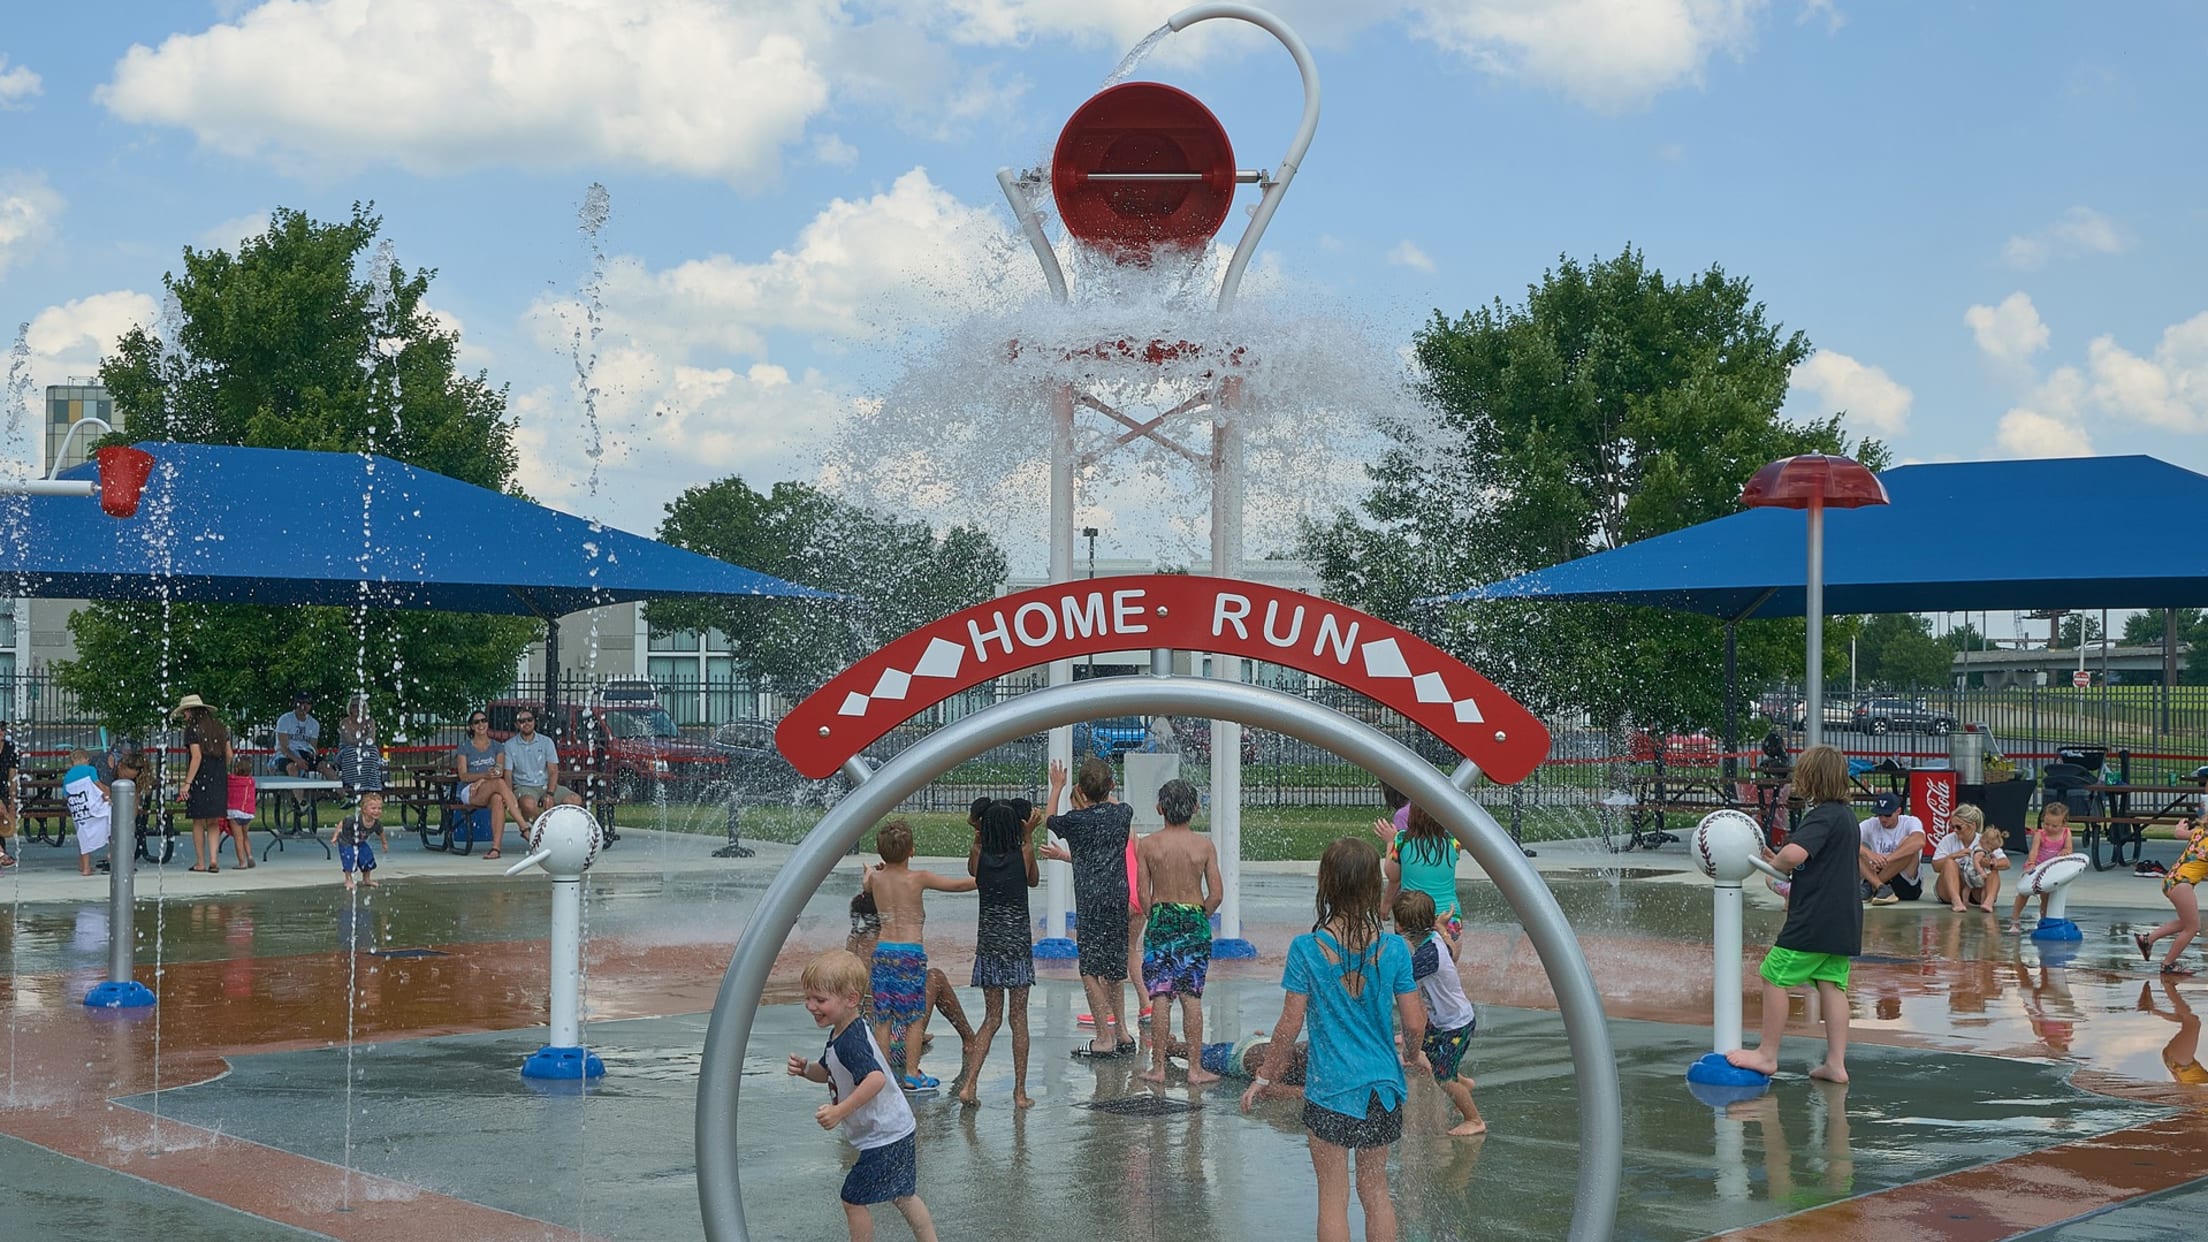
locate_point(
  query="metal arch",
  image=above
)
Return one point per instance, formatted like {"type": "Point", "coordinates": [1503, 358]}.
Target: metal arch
{"type": "Point", "coordinates": [1601, 1132]}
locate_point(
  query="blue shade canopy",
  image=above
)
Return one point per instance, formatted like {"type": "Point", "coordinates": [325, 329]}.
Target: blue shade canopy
{"type": "Point", "coordinates": [2090, 532]}
{"type": "Point", "coordinates": [281, 527]}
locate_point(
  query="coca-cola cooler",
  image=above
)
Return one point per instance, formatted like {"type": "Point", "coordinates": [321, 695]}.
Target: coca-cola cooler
{"type": "Point", "coordinates": [1932, 794]}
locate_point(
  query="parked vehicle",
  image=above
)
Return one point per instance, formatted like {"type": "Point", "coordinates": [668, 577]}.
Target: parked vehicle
{"type": "Point", "coordinates": [1886, 715]}
{"type": "Point", "coordinates": [1838, 713]}
{"type": "Point", "coordinates": [1111, 737]}
{"type": "Point", "coordinates": [623, 733]}
{"type": "Point", "coordinates": [758, 774]}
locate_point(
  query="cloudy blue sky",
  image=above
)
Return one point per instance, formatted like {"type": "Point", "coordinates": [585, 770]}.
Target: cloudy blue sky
{"type": "Point", "coordinates": [1987, 217]}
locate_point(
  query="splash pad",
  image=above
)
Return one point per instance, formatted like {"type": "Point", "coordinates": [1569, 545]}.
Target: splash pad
{"type": "Point", "coordinates": [827, 732]}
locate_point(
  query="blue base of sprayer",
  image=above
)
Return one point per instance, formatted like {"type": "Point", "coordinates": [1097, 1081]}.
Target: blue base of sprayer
{"type": "Point", "coordinates": [1233, 947]}
{"type": "Point", "coordinates": [2057, 929]}
{"type": "Point", "coordinates": [1057, 949]}
{"type": "Point", "coordinates": [1713, 1070]}
{"type": "Point", "coordinates": [1712, 1096]}
{"type": "Point", "coordinates": [129, 994]}
{"type": "Point", "coordinates": [551, 1062]}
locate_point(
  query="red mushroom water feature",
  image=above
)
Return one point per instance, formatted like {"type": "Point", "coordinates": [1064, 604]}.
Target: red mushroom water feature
{"type": "Point", "coordinates": [1816, 482]}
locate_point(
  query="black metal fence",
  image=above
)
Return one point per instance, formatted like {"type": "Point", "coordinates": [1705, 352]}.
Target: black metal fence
{"type": "Point", "coordinates": [2164, 731]}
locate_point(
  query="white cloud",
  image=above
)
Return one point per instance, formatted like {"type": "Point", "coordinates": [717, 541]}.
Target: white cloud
{"type": "Point", "coordinates": [28, 206]}
{"type": "Point", "coordinates": [68, 341]}
{"type": "Point", "coordinates": [1407, 254]}
{"type": "Point", "coordinates": [685, 390]}
{"type": "Point", "coordinates": [466, 355]}
{"type": "Point", "coordinates": [690, 86]}
{"type": "Point", "coordinates": [2009, 333]}
{"type": "Point", "coordinates": [1606, 54]}
{"type": "Point", "coordinates": [860, 268]}
{"type": "Point", "coordinates": [833, 150]}
{"type": "Point", "coordinates": [1870, 397]}
{"type": "Point", "coordinates": [17, 84]}
{"type": "Point", "coordinates": [231, 233]}
{"type": "Point", "coordinates": [2029, 433]}
{"type": "Point", "coordinates": [2168, 390]}
{"type": "Point", "coordinates": [2080, 231]}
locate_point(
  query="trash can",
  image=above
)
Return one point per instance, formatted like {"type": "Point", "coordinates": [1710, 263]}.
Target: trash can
{"type": "Point", "coordinates": [1966, 753]}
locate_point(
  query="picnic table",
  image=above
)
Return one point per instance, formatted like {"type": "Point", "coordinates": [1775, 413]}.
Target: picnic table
{"type": "Point", "coordinates": [2126, 811]}
{"type": "Point", "coordinates": [289, 816]}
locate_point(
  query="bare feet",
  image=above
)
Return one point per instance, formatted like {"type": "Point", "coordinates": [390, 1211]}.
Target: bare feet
{"type": "Point", "coordinates": [1021, 1100]}
{"type": "Point", "coordinates": [372, 883]}
{"type": "Point", "coordinates": [1986, 906]}
{"type": "Point", "coordinates": [1825, 1073]}
{"type": "Point", "coordinates": [1198, 1076]}
{"type": "Point", "coordinates": [1758, 1060]}
{"type": "Point", "coordinates": [1152, 1075]}
{"type": "Point", "coordinates": [966, 1096]}
{"type": "Point", "coordinates": [1960, 907]}
{"type": "Point", "coordinates": [1468, 1129]}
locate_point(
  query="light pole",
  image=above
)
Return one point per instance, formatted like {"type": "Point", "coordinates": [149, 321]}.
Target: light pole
{"type": "Point", "coordinates": [1816, 482]}
{"type": "Point", "coordinates": [1090, 532]}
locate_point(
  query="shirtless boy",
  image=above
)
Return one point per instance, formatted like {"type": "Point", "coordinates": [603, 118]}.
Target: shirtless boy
{"type": "Point", "coordinates": [1178, 887]}
{"type": "Point", "coordinates": [900, 974]}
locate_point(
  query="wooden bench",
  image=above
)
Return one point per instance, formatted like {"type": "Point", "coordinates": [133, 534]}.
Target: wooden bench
{"type": "Point", "coordinates": [2124, 824]}
{"type": "Point", "coordinates": [41, 810]}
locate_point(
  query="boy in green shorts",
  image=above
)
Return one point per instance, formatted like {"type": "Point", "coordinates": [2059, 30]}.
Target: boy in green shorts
{"type": "Point", "coordinates": [1824, 916]}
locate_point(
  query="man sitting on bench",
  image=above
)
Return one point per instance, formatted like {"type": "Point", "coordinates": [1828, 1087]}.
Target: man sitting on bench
{"type": "Point", "coordinates": [535, 765]}
{"type": "Point", "coordinates": [1892, 849]}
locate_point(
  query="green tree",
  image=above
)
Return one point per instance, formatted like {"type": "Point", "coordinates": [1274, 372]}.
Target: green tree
{"type": "Point", "coordinates": [1610, 405]}
{"type": "Point", "coordinates": [894, 576]}
{"type": "Point", "coordinates": [2067, 636]}
{"type": "Point", "coordinates": [1897, 649]}
{"type": "Point", "coordinates": [295, 342]}
{"type": "Point", "coordinates": [2144, 629]}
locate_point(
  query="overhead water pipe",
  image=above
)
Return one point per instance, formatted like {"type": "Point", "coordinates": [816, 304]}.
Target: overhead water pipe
{"type": "Point", "coordinates": [1231, 284]}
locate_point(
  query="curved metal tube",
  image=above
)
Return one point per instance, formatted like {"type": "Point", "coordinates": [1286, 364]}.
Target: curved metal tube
{"type": "Point", "coordinates": [1031, 225]}
{"type": "Point", "coordinates": [1245, 249]}
{"type": "Point", "coordinates": [1601, 1128]}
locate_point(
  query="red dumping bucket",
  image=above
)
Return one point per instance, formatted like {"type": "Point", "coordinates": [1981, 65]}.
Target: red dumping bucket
{"type": "Point", "coordinates": [123, 474]}
{"type": "Point", "coordinates": [1142, 165]}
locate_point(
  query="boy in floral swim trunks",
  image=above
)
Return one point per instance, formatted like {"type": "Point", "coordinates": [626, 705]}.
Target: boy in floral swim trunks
{"type": "Point", "coordinates": [1178, 888]}
{"type": "Point", "coordinates": [900, 973]}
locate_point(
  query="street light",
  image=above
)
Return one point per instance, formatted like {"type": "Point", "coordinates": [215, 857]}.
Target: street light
{"type": "Point", "coordinates": [1090, 531]}
{"type": "Point", "coordinates": [1816, 482]}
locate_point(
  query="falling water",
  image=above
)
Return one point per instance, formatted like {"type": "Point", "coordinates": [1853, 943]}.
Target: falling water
{"type": "Point", "coordinates": [1135, 57]}
{"type": "Point", "coordinates": [352, 994]}
{"type": "Point", "coordinates": [15, 466]}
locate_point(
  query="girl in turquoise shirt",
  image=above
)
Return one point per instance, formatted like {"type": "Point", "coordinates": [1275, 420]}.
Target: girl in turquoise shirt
{"type": "Point", "coordinates": [1353, 981]}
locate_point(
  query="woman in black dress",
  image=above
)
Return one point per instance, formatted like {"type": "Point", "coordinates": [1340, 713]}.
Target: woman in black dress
{"type": "Point", "coordinates": [206, 778]}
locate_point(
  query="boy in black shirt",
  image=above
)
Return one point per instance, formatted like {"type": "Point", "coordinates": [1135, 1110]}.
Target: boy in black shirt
{"type": "Point", "coordinates": [1824, 916]}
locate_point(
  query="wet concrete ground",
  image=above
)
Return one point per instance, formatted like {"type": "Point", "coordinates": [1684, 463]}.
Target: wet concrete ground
{"type": "Point", "coordinates": [2000, 1089]}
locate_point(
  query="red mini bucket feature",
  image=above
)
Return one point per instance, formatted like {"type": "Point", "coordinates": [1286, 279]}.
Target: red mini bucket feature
{"type": "Point", "coordinates": [1141, 166]}
{"type": "Point", "coordinates": [123, 474]}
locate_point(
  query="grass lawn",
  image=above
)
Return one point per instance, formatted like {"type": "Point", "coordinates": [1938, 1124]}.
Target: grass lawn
{"type": "Point", "coordinates": [1267, 834]}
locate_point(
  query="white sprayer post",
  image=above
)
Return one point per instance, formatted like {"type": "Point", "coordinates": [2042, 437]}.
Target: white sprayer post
{"type": "Point", "coordinates": [567, 961]}
{"type": "Point", "coordinates": [1226, 735]}
{"type": "Point", "coordinates": [1058, 876]}
{"type": "Point", "coordinates": [1725, 978]}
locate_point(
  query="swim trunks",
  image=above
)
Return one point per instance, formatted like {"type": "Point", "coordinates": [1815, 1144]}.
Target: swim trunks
{"type": "Point", "coordinates": [900, 984]}
{"type": "Point", "coordinates": [1791, 968]}
{"type": "Point", "coordinates": [1445, 1049]}
{"type": "Point", "coordinates": [1176, 950]}
{"type": "Point", "coordinates": [885, 1174]}
{"type": "Point", "coordinates": [1379, 1126]}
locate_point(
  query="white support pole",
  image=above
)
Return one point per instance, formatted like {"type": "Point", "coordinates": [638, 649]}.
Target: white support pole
{"type": "Point", "coordinates": [1725, 979]}
{"type": "Point", "coordinates": [567, 962]}
{"type": "Point", "coordinates": [122, 989]}
{"type": "Point", "coordinates": [1226, 735]}
{"type": "Point", "coordinates": [1057, 876]}
{"type": "Point", "coordinates": [1813, 724]}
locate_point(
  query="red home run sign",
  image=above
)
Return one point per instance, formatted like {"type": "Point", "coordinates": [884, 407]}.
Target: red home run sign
{"type": "Point", "coordinates": [1188, 613]}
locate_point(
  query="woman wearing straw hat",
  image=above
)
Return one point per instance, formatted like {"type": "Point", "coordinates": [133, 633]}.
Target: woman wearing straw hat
{"type": "Point", "coordinates": [206, 779]}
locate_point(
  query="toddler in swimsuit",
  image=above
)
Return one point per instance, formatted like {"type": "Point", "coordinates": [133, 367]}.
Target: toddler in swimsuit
{"type": "Point", "coordinates": [2191, 869]}
{"type": "Point", "coordinates": [2050, 840]}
